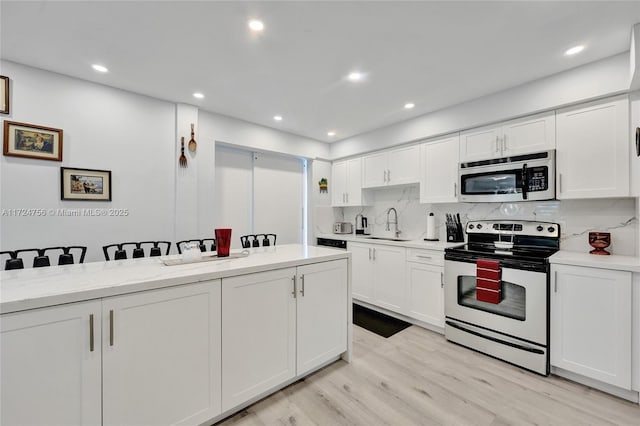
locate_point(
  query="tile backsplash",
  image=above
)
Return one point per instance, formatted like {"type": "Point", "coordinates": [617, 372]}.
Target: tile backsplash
{"type": "Point", "coordinates": [576, 217]}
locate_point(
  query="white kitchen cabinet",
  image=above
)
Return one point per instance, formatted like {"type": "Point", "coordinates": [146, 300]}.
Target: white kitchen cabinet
{"type": "Point", "coordinates": [51, 371]}
{"type": "Point", "coordinates": [161, 356]}
{"type": "Point", "coordinates": [392, 167]}
{"type": "Point", "coordinates": [362, 277]}
{"type": "Point", "coordinates": [280, 324]}
{"type": "Point", "coordinates": [321, 313]}
{"type": "Point", "coordinates": [347, 183]}
{"type": "Point", "coordinates": [425, 286]}
{"type": "Point", "coordinates": [593, 150]}
{"type": "Point", "coordinates": [258, 334]}
{"type": "Point", "coordinates": [439, 170]}
{"type": "Point", "coordinates": [591, 323]}
{"type": "Point", "coordinates": [515, 137]}
{"type": "Point", "coordinates": [379, 275]}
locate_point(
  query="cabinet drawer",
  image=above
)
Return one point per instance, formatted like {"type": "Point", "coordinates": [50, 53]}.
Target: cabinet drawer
{"type": "Point", "coordinates": [432, 257]}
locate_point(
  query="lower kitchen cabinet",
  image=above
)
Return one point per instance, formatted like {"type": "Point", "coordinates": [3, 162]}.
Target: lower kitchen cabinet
{"type": "Point", "coordinates": [161, 356]}
{"type": "Point", "coordinates": [280, 324]}
{"type": "Point", "coordinates": [50, 368]}
{"type": "Point", "coordinates": [146, 358]}
{"type": "Point", "coordinates": [379, 275]}
{"type": "Point", "coordinates": [425, 286]}
{"type": "Point", "coordinates": [591, 323]}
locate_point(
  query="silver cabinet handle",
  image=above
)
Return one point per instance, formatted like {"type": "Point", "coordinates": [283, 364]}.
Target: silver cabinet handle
{"type": "Point", "coordinates": [302, 285]}
{"type": "Point", "coordinates": [294, 287]}
{"type": "Point", "coordinates": [504, 143]}
{"type": "Point", "coordinates": [385, 175]}
{"type": "Point", "coordinates": [369, 253]}
{"type": "Point", "coordinates": [441, 279]}
{"type": "Point", "coordinates": [388, 175]}
{"type": "Point", "coordinates": [455, 189]}
{"type": "Point", "coordinates": [111, 327]}
{"type": "Point", "coordinates": [347, 197]}
{"type": "Point", "coordinates": [555, 282]}
{"type": "Point", "coordinates": [91, 333]}
{"type": "Point", "coordinates": [560, 182]}
{"type": "Point", "coordinates": [497, 144]}
{"type": "Point", "coordinates": [423, 257]}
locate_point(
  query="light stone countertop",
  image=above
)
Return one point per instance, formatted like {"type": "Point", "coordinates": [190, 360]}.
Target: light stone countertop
{"type": "Point", "coordinates": [39, 287]}
{"type": "Point", "coordinates": [418, 244]}
{"type": "Point", "coordinates": [615, 261]}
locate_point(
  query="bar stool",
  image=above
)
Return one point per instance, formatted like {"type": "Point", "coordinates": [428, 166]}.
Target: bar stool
{"type": "Point", "coordinates": [41, 258]}
{"type": "Point", "coordinates": [254, 240]}
{"type": "Point", "coordinates": [120, 251]}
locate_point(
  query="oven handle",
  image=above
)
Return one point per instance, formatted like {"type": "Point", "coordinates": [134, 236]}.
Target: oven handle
{"type": "Point", "coordinates": [525, 182]}
{"type": "Point", "coordinates": [494, 339]}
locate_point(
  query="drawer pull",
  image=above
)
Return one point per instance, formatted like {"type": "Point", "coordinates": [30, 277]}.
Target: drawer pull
{"type": "Point", "coordinates": [111, 327]}
{"type": "Point", "coordinates": [91, 333]}
{"type": "Point", "coordinates": [423, 257]}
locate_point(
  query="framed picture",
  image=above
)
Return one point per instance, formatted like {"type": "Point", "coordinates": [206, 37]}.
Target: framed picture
{"type": "Point", "coordinates": [85, 184]}
{"type": "Point", "coordinates": [31, 141]}
{"type": "Point", "coordinates": [4, 94]}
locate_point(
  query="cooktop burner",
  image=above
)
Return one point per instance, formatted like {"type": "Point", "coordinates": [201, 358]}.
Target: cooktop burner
{"type": "Point", "coordinates": [517, 244]}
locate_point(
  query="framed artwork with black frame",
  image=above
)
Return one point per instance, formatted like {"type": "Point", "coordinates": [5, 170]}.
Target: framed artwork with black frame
{"type": "Point", "coordinates": [85, 184]}
{"type": "Point", "coordinates": [4, 94]}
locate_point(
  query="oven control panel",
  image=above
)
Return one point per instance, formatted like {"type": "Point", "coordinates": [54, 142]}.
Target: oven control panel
{"type": "Point", "coordinates": [521, 227]}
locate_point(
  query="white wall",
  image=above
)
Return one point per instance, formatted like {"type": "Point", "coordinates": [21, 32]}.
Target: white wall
{"type": "Point", "coordinates": [104, 128]}
{"type": "Point", "coordinates": [598, 79]}
{"type": "Point", "coordinates": [138, 139]}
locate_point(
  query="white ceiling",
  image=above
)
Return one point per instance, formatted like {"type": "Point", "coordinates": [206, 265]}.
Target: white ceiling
{"type": "Point", "coordinates": [435, 54]}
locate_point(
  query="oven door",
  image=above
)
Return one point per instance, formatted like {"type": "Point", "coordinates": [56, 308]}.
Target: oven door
{"type": "Point", "coordinates": [521, 314]}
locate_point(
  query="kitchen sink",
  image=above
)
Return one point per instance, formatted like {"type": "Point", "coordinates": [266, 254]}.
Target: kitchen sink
{"type": "Point", "coordinates": [388, 238]}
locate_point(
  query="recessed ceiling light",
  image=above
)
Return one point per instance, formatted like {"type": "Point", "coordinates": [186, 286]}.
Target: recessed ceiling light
{"type": "Point", "coordinates": [256, 25]}
{"type": "Point", "coordinates": [356, 76]}
{"type": "Point", "coordinates": [99, 68]}
{"type": "Point", "coordinates": [574, 50]}
{"type": "Point", "coordinates": [198, 95]}
{"type": "Point", "coordinates": [331, 133]}
{"type": "Point", "coordinates": [277, 117]}
{"type": "Point", "coordinates": [409, 105]}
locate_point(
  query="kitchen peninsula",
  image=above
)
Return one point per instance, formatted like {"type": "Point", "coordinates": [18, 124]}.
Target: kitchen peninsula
{"type": "Point", "coordinates": [138, 342]}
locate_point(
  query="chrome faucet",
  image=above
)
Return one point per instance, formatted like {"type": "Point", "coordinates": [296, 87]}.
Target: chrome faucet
{"type": "Point", "coordinates": [395, 222]}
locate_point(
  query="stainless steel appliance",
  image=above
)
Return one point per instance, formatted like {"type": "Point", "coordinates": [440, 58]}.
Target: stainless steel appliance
{"type": "Point", "coordinates": [342, 228]}
{"type": "Point", "coordinates": [519, 178]}
{"type": "Point", "coordinates": [330, 242]}
{"type": "Point", "coordinates": [514, 326]}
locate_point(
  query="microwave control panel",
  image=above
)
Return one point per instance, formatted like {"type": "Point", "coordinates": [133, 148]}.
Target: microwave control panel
{"type": "Point", "coordinates": [537, 179]}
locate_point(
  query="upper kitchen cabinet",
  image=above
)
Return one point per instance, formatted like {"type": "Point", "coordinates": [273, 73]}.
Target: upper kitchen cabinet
{"type": "Point", "coordinates": [393, 167]}
{"type": "Point", "coordinates": [347, 183]}
{"type": "Point", "coordinates": [593, 150]}
{"type": "Point", "coordinates": [521, 136]}
{"type": "Point", "coordinates": [439, 170]}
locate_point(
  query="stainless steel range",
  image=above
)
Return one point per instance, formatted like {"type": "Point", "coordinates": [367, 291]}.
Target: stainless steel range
{"type": "Point", "coordinates": [497, 291]}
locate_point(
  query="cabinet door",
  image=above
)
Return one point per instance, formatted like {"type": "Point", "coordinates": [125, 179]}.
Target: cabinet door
{"type": "Point", "coordinates": [50, 375]}
{"type": "Point", "coordinates": [591, 323]}
{"type": "Point", "coordinates": [374, 170]}
{"type": "Point", "coordinates": [338, 186]}
{"type": "Point", "coordinates": [593, 150]}
{"type": "Point", "coordinates": [425, 293]}
{"type": "Point", "coordinates": [529, 135]}
{"type": "Point", "coordinates": [258, 334]}
{"type": "Point", "coordinates": [161, 356]}
{"type": "Point", "coordinates": [480, 144]}
{"type": "Point", "coordinates": [321, 313]}
{"type": "Point", "coordinates": [389, 277]}
{"type": "Point", "coordinates": [403, 165]}
{"type": "Point", "coordinates": [362, 277]}
{"type": "Point", "coordinates": [439, 183]}
{"type": "Point", "coordinates": [354, 182]}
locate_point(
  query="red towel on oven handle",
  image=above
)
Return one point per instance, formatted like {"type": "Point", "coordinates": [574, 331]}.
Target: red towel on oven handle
{"type": "Point", "coordinates": [488, 284]}
{"type": "Point", "coordinates": [488, 274]}
{"type": "Point", "coordinates": [493, 265]}
{"type": "Point", "coordinates": [489, 296]}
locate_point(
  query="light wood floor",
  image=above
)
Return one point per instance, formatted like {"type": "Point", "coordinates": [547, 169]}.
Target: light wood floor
{"type": "Point", "coordinates": [416, 377]}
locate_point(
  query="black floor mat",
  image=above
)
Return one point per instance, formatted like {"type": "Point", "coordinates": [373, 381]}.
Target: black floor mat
{"type": "Point", "coordinates": [378, 323]}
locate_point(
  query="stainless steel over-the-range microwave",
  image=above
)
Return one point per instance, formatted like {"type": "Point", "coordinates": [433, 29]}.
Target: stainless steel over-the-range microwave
{"type": "Point", "coordinates": [524, 177]}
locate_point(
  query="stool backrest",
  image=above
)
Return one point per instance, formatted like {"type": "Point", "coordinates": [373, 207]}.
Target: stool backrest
{"type": "Point", "coordinates": [137, 249]}
{"type": "Point", "coordinates": [256, 240]}
{"type": "Point", "coordinates": [41, 257]}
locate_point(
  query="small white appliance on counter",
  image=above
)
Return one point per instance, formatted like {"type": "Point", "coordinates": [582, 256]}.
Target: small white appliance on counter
{"type": "Point", "coordinates": [342, 228]}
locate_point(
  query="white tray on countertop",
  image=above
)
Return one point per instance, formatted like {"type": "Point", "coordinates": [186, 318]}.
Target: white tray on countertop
{"type": "Point", "coordinates": [205, 258]}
